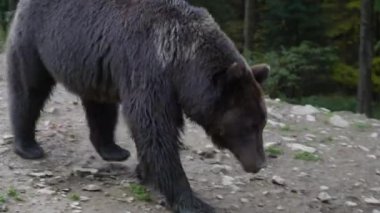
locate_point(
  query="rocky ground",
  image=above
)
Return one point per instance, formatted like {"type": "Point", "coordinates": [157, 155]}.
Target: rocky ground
{"type": "Point", "coordinates": [319, 162]}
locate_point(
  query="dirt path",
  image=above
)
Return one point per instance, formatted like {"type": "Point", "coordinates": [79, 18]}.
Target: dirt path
{"type": "Point", "coordinates": [342, 175]}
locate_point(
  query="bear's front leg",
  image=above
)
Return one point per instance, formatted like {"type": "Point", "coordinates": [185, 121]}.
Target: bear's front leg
{"type": "Point", "coordinates": [156, 130]}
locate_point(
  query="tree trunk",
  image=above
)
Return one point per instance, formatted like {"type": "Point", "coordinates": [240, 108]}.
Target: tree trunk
{"type": "Point", "coordinates": [249, 25]}
{"type": "Point", "coordinates": [365, 58]}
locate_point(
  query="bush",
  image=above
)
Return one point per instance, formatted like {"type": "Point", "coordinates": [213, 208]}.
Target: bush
{"type": "Point", "coordinates": [299, 71]}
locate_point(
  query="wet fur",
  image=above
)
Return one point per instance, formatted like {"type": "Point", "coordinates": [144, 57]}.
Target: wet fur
{"type": "Point", "coordinates": [157, 58]}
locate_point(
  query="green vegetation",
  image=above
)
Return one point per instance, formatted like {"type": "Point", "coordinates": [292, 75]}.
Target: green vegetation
{"type": "Point", "coordinates": [274, 151]}
{"type": "Point", "coordinates": [14, 194]}
{"type": "Point", "coordinates": [306, 156]}
{"type": "Point", "coordinates": [140, 192]}
{"type": "Point", "coordinates": [74, 197]}
{"type": "Point", "coordinates": [362, 126]}
{"type": "Point", "coordinates": [2, 199]}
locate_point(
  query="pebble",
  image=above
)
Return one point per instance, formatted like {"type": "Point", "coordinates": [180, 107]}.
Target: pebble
{"type": "Point", "coordinates": [280, 208]}
{"type": "Point", "coordinates": [84, 198]}
{"type": "Point", "coordinates": [81, 172]}
{"type": "Point", "coordinates": [4, 150]}
{"type": "Point", "coordinates": [46, 191]}
{"type": "Point", "coordinates": [224, 169]}
{"type": "Point", "coordinates": [227, 180]}
{"type": "Point", "coordinates": [92, 188]}
{"type": "Point", "coordinates": [244, 200]}
{"type": "Point", "coordinates": [220, 197]}
{"type": "Point", "coordinates": [310, 118]}
{"type": "Point", "coordinates": [374, 135]}
{"type": "Point", "coordinates": [288, 139]}
{"type": "Point", "coordinates": [324, 197]}
{"type": "Point", "coordinates": [7, 139]}
{"type": "Point", "coordinates": [324, 188]}
{"type": "Point", "coordinates": [3, 208]}
{"type": "Point", "coordinates": [338, 121]}
{"type": "Point", "coordinates": [130, 199]}
{"type": "Point", "coordinates": [376, 211]}
{"type": "Point", "coordinates": [371, 200]}
{"type": "Point", "coordinates": [300, 147]}
{"type": "Point", "coordinates": [44, 174]}
{"type": "Point", "coordinates": [351, 204]}
{"type": "Point", "coordinates": [278, 180]}
{"type": "Point", "coordinates": [363, 148]}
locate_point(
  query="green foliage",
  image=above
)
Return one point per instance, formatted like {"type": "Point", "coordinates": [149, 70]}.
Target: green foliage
{"type": "Point", "coordinates": [14, 194]}
{"type": "Point", "coordinates": [140, 192]}
{"type": "Point", "coordinates": [74, 197]}
{"type": "Point", "coordinates": [300, 70]}
{"type": "Point", "coordinates": [306, 156]}
{"type": "Point", "coordinates": [292, 20]}
{"type": "Point", "coordinates": [274, 151]}
{"type": "Point", "coordinates": [2, 199]}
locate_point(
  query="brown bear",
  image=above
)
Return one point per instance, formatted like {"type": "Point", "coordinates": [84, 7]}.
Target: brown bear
{"type": "Point", "coordinates": [158, 59]}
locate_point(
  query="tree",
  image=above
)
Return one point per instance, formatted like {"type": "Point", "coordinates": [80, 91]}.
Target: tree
{"type": "Point", "coordinates": [365, 57]}
{"type": "Point", "coordinates": [249, 25]}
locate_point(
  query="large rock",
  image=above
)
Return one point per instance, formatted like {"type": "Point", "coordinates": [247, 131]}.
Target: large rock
{"type": "Point", "coordinates": [304, 110]}
{"type": "Point", "coordinates": [338, 121]}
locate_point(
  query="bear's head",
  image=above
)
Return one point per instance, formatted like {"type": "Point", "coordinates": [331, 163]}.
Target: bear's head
{"type": "Point", "coordinates": [237, 123]}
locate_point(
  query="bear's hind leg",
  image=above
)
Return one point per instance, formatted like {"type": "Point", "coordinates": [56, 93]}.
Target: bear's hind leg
{"type": "Point", "coordinates": [29, 86]}
{"type": "Point", "coordinates": [102, 119]}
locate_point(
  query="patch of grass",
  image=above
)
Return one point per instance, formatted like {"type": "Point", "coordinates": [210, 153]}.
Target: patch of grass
{"type": "Point", "coordinates": [362, 126]}
{"type": "Point", "coordinates": [274, 151]}
{"type": "Point", "coordinates": [140, 192]}
{"type": "Point", "coordinates": [2, 199]}
{"type": "Point", "coordinates": [286, 128]}
{"type": "Point", "coordinates": [14, 194]}
{"type": "Point", "coordinates": [306, 156]}
{"type": "Point", "coordinates": [74, 197]}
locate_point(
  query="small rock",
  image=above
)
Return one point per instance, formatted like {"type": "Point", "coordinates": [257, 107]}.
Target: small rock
{"type": "Point", "coordinates": [300, 147]}
{"type": "Point", "coordinates": [220, 197]}
{"type": "Point", "coordinates": [130, 199]}
{"type": "Point", "coordinates": [269, 144]}
{"type": "Point", "coordinates": [310, 118]}
{"type": "Point", "coordinates": [207, 153]}
{"type": "Point", "coordinates": [363, 148]}
{"type": "Point", "coordinates": [350, 204]}
{"type": "Point", "coordinates": [52, 110]}
{"type": "Point", "coordinates": [221, 169]}
{"type": "Point", "coordinates": [372, 157]}
{"type": "Point", "coordinates": [84, 198]}
{"type": "Point", "coordinates": [304, 110]}
{"type": "Point", "coordinates": [44, 174]}
{"type": "Point", "coordinates": [4, 150]}
{"type": "Point", "coordinates": [77, 211]}
{"type": "Point", "coordinates": [227, 180]}
{"type": "Point", "coordinates": [377, 171]}
{"type": "Point", "coordinates": [82, 172]}
{"type": "Point", "coordinates": [280, 208]}
{"type": "Point", "coordinates": [92, 188]}
{"type": "Point", "coordinates": [278, 180]}
{"type": "Point", "coordinates": [324, 188]}
{"type": "Point", "coordinates": [338, 121]}
{"type": "Point", "coordinates": [288, 139]}
{"type": "Point", "coordinates": [324, 197]}
{"type": "Point", "coordinates": [7, 139]}
{"type": "Point", "coordinates": [244, 200]}
{"type": "Point", "coordinates": [3, 208]}
{"type": "Point", "coordinates": [46, 191]}
{"type": "Point", "coordinates": [374, 135]}
{"type": "Point", "coordinates": [376, 211]}
{"type": "Point", "coordinates": [371, 200]}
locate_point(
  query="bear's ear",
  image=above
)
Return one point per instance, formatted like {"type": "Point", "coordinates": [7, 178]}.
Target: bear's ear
{"type": "Point", "coordinates": [236, 71]}
{"type": "Point", "coordinates": [260, 72]}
